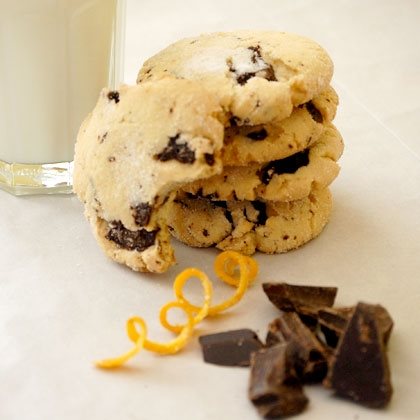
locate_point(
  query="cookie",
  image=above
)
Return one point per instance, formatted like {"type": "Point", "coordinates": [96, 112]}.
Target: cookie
{"type": "Point", "coordinates": [139, 145]}
{"type": "Point", "coordinates": [263, 143]}
{"type": "Point", "coordinates": [248, 226]}
{"type": "Point", "coordinates": [287, 179]}
{"type": "Point", "coordinates": [258, 76]}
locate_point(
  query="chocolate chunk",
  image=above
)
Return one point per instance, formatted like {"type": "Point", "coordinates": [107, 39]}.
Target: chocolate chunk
{"type": "Point", "coordinates": [261, 207]}
{"type": "Point", "coordinates": [258, 135]}
{"type": "Point", "coordinates": [332, 322]}
{"type": "Point", "coordinates": [311, 359]}
{"type": "Point", "coordinates": [142, 213]}
{"type": "Point", "coordinates": [114, 96]}
{"type": "Point", "coordinates": [360, 370]}
{"type": "Point", "coordinates": [209, 158]}
{"type": "Point", "coordinates": [131, 240]}
{"type": "Point", "coordinates": [230, 348]}
{"type": "Point", "coordinates": [265, 71]}
{"type": "Point", "coordinates": [234, 121]}
{"type": "Point", "coordinates": [287, 165]}
{"type": "Point", "coordinates": [176, 150]}
{"type": "Point", "coordinates": [290, 297]}
{"type": "Point", "coordinates": [274, 386]}
{"type": "Point", "coordinates": [315, 113]}
{"type": "Point", "coordinates": [385, 322]}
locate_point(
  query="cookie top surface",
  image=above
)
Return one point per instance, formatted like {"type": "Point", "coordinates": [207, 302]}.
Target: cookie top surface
{"type": "Point", "coordinates": [258, 76]}
{"type": "Point", "coordinates": [287, 179]}
{"type": "Point", "coordinates": [141, 142]}
{"type": "Point", "coordinates": [138, 145]}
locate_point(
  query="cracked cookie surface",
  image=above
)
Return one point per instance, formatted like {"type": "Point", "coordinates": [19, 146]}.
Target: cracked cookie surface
{"type": "Point", "coordinates": [287, 179]}
{"type": "Point", "coordinates": [249, 226]}
{"type": "Point", "coordinates": [257, 76]}
{"type": "Point", "coordinates": [140, 144]}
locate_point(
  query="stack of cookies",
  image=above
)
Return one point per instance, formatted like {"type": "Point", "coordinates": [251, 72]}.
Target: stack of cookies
{"type": "Point", "coordinates": [280, 147]}
{"type": "Point", "coordinates": [227, 140]}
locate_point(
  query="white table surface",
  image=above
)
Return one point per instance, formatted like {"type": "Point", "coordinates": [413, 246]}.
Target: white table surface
{"type": "Point", "coordinates": [63, 304]}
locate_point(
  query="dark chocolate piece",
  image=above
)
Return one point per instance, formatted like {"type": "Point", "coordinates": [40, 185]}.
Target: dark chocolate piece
{"type": "Point", "coordinates": [258, 135]}
{"type": "Point", "coordinates": [274, 386]}
{"type": "Point", "coordinates": [142, 213]}
{"type": "Point", "coordinates": [209, 158]}
{"type": "Point", "coordinates": [230, 348]}
{"type": "Point", "coordinates": [315, 113]}
{"type": "Point", "coordinates": [290, 297]}
{"type": "Point", "coordinates": [332, 322]}
{"type": "Point", "coordinates": [359, 369]}
{"type": "Point", "coordinates": [261, 207]}
{"type": "Point", "coordinates": [287, 165]}
{"type": "Point", "coordinates": [131, 240]}
{"type": "Point", "coordinates": [311, 359]}
{"type": "Point", "coordinates": [267, 72]}
{"type": "Point", "coordinates": [177, 149]}
{"type": "Point", "coordinates": [385, 322]}
{"type": "Point", "coordinates": [114, 96]}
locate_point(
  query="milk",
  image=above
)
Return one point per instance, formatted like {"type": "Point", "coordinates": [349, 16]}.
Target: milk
{"type": "Point", "coordinates": [55, 56]}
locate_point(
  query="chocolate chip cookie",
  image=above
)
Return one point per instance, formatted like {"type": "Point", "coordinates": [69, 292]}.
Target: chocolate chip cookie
{"type": "Point", "coordinates": [257, 76]}
{"type": "Point", "coordinates": [140, 144]}
{"type": "Point", "coordinates": [287, 179]}
{"type": "Point", "coordinates": [248, 226]}
{"type": "Point", "coordinates": [263, 143]}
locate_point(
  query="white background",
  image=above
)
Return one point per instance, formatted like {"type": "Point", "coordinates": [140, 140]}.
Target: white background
{"type": "Point", "coordinates": [63, 304]}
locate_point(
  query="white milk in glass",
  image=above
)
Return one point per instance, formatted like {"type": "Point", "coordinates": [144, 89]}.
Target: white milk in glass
{"type": "Point", "coordinates": [55, 56]}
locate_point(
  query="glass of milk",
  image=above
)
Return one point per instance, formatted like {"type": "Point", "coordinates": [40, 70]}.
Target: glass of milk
{"type": "Point", "coordinates": [55, 57]}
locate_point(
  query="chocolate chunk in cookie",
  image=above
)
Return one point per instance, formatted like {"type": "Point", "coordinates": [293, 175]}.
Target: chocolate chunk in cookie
{"type": "Point", "coordinates": [287, 165]}
{"type": "Point", "coordinates": [142, 213]}
{"type": "Point", "coordinates": [258, 135]}
{"type": "Point", "coordinates": [131, 240]}
{"type": "Point", "coordinates": [177, 149]}
{"type": "Point", "coordinates": [255, 67]}
{"type": "Point", "coordinates": [114, 96]}
{"type": "Point", "coordinates": [315, 113]}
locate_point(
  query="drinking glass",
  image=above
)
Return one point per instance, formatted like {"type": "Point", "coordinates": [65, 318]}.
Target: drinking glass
{"type": "Point", "coordinates": [55, 56]}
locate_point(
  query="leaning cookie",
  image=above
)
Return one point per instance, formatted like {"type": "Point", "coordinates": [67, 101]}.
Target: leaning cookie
{"type": "Point", "coordinates": [248, 226]}
{"type": "Point", "coordinates": [139, 144]}
{"type": "Point", "coordinates": [263, 143]}
{"type": "Point", "coordinates": [257, 76]}
{"type": "Point", "coordinates": [286, 179]}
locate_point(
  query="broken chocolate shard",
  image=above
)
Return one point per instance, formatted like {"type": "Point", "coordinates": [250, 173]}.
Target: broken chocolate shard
{"type": "Point", "coordinates": [287, 165]}
{"type": "Point", "coordinates": [142, 213]}
{"type": "Point", "coordinates": [332, 322]}
{"type": "Point", "coordinates": [138, 240]}
{"type": "Point", "coordinates": [177, 149]}
{"type": "Point", "coordinates": [311, 358]}
{"type": "Point", "coordinates": [258, 135]}
{"type": "Point", "coordinates": [360, 369]}
{"type": "Point", "coordinates": [274, 386]}
{"type": "Point", "coordinates": [114, 96]}
{"type": "Point", "coordinates": [290, 297]}
{"type": "Point", "coordinates": [230, 348]}
{"type": "Point", "coordinates": [384, 321]}
{"type": "Point", "coordinates": [315, 113]}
